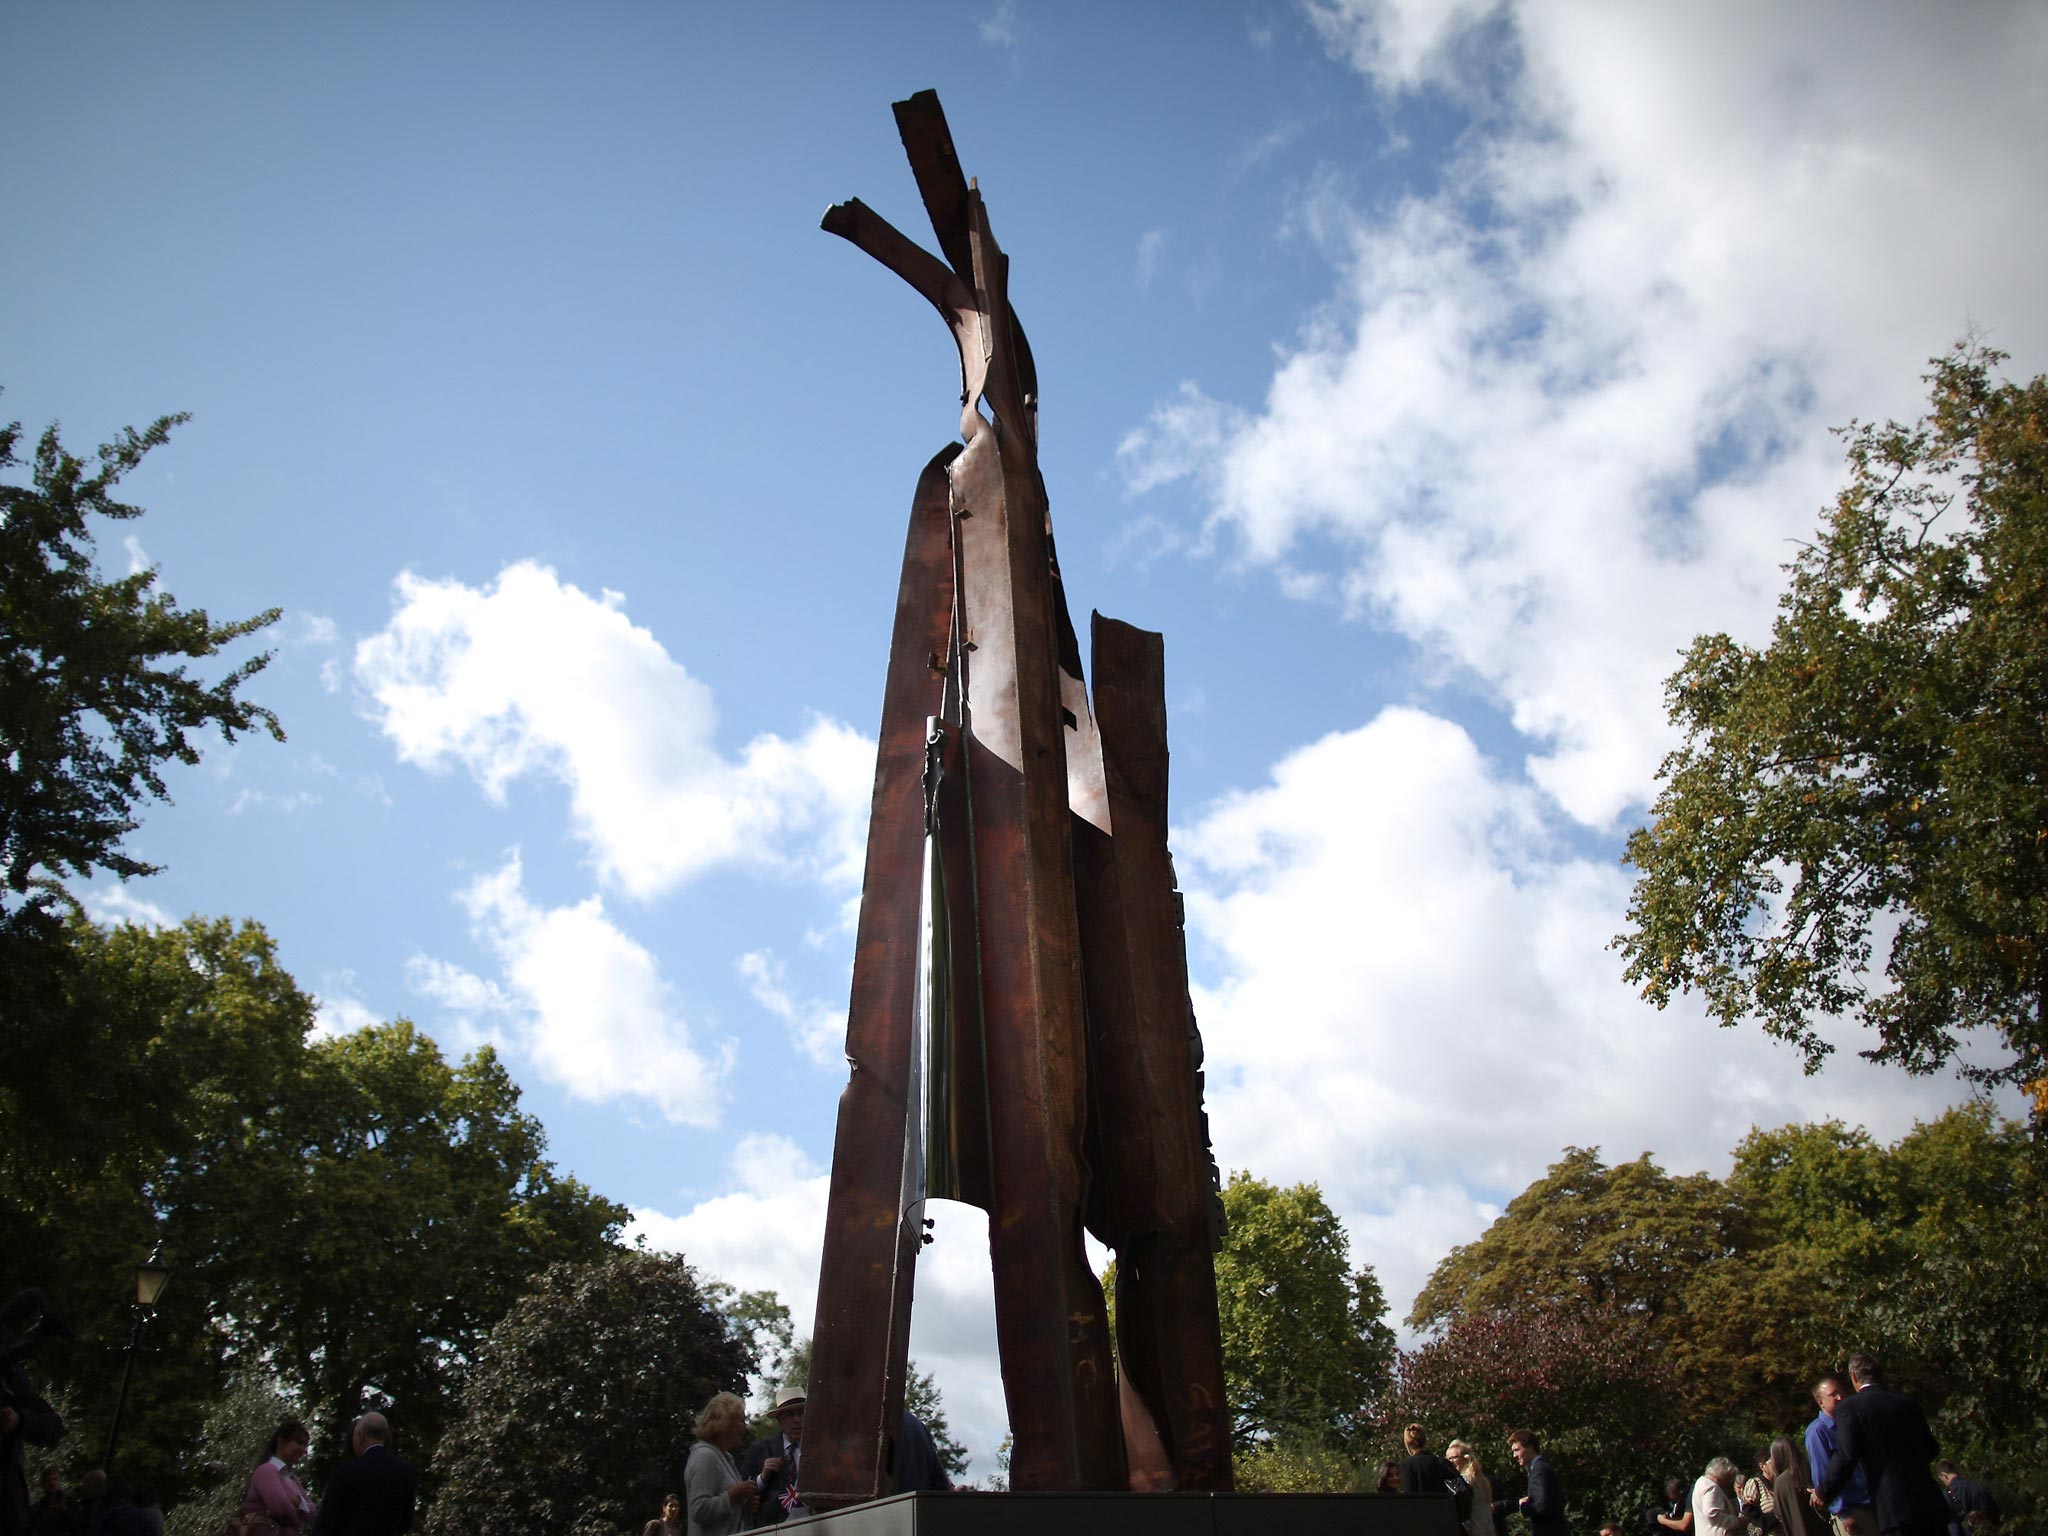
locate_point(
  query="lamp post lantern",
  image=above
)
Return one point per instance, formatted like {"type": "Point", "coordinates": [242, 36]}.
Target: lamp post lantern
{"type": "Point", "coordinates": [151, 1276]}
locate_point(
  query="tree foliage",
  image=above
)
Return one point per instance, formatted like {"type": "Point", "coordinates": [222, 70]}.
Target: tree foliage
{"type": "Point", "coordinates": [921, 1396]}
{"type": "Point", "coordinates": [1625, 1238]}
{"type": "Point", "coordinates": [1710, 1306]}
{"type": "Point", "coordinates": [1874, 773]}
{"type": "Point", "coordinates": [1306, 1346]}
{"type": "Point", "coordinates": [231, 1440]}
{"type": "Point", "coordinates": [171, 1044]}
{"type": "Point", "coordinates": [94, 695]}
{"type": "Point", "coordinates": [406, 1202]}
{"type": "Point", "coordinates": [1590, 1379]}
{"type": "Point", "coordinates": [577, 1417]}
{"type": "Point", "coordinates": [347, 1217]}
{"type": "Point", "coordinates": [762, 1325]}
{"type": "Point", "coordinates": [97, 698]}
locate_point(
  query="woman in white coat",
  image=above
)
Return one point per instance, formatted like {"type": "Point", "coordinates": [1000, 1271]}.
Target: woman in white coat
{"type": "Point", "coordinates": [1460, 1455]}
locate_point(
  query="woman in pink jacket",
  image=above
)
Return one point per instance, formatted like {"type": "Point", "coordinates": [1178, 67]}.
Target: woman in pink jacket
{"type": "Point", "coordinates": [274, 1490]}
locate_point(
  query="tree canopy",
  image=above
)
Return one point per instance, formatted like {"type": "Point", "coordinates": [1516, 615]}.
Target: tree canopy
{"type": "Point", "coordinates": [577, 1417]}
{"type": "Point", "coordinates": [96, 699]}
{"type": "Point", "coordinates": [1642, 1321]}
{"type": "Point", "coordinates": [94, 695]}
{"type": "Point", "coordinates": [1306, 1345]}
{"type": "Point", "coordinates": [1873, 775]}
{"type": "Point", "coordinates": [345, 1217]}
{"type": "Point", "coordinates": [1588, 1378]}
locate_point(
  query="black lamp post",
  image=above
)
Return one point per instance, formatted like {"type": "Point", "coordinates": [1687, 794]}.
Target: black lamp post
{"type": "Point", "coordinates": [151, 1276]}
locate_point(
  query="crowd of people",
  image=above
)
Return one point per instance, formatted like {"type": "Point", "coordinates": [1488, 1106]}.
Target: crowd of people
{"type": "Point", "coordinates": [371, 1494]}
{"type": "Point", "coordinates": [1866, 1466]}
{"type": "Point", "coordinates": [721, 1496]}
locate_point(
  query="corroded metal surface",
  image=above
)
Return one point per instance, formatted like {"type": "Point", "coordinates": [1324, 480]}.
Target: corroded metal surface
{"type": "Point", "coordinates": [1040, 1058]}
{"type": "Point", "coordinates": [861, 1337]}
{"type": "Point", "coordinates": [1160, 1207]}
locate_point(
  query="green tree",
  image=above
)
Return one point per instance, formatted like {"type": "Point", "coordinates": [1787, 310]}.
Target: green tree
{"type": "Point", "coordinates": [1882, 755]}
{"type": "Point", "coordinates": [1586, 1235]}
{"type": "Point", "coordinates": [1294, 1466]}
{"type": "Point", "coordinates": [921, 1396]}
{"type": "Point", "coordinates": [403, 1203]}
{"type": "Point", "coordinates": [94, 695]}
{"type": "Point", "coordinates": [1631, 1240]}
{"type": "Point", "coordinates": [1740, 1292]}
{"type": "Point", "coordinates": [347, 1217]}
{"type": "Point", "coordinates": [179, 1041]}
{"type": "Point", "coordinates": [96, 699]}
{"type": "Point", "coordinates": [577, 1416]}
{"type": "Point", "coordinates": [761, 1323]}
{"type": "Point", "coordinates": [1306, 1346]}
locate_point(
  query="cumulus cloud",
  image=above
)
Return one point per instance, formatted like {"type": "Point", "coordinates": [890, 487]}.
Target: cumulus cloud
{"type": "Point", "coordinates": [337, 1010]}
{"type": "Point", "coordinates": [1411, 1002]}
{"type": "Point", "coordinates": [112, 905]}
{"type": "Point", "coordinates": [531, 676]}
{"type": "Point", "coordinates": [816, 1028]}
{"type": "Point", "coordinates": [581, 1000]}
{"type": "Point", "coordinates": [1567, 409]}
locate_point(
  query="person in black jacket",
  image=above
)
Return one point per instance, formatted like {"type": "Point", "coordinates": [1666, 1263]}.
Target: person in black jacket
{"type": "Point", "coordinates": [1887, 1436]}
{"type": "Point", "coordinates": [1544, 1502]}
{"type": "Point", "coordinates": [372, 1495]}
{"type": "Point", "coordinates": [1967, 1497]}
{"type": "Point", "coordinates": [1426, 1472]}
{"type": "Point", "coordinates": [774, 1463]}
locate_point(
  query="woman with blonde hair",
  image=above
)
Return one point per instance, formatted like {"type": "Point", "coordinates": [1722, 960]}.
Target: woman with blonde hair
{"type": "Point", "coordinates": [717, 1498]}
{"type": "Point", "coordinates": [1790, 1485]}
{"type": "Point", "coordinates": [1462, 1456]}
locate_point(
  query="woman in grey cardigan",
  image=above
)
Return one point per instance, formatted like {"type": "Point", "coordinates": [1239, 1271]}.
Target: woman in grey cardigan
{"type": "Point", "coordinates": [717, 1497]}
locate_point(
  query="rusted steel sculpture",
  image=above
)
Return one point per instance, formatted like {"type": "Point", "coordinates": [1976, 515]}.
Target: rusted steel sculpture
{"type": "Point", "coordinates": [1019, 1033]}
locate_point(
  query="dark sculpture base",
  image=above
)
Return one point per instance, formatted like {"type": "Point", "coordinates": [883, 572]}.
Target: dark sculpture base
{"type": "Point", "coordinates": [1140, 1514]}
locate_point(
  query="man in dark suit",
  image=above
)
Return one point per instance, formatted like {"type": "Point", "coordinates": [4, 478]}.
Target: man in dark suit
{"type": "Point", "coordinates": [1886, 1435]}
{"type": "Point", "coordinates": [1966, 1497]}
{"type": "Point", "coordinates": [372, 1495]}
{"type": "Point", "coordinates": [773, 1462]}
{"type": "Point", "coordinates": [1544, 1502]}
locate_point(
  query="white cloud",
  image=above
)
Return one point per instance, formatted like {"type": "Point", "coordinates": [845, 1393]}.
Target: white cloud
{"type": "Point", "coordinates": [581, 1000]}
{"type": "Point", "coordinates": [112, 905]}
{"type": "Point", "coordinates": [314, 629]}
{"type": "Point", "coordinates": [1569, 410]}
{"type": "Point", "coordinates": [138, 557]}
{"type": "Point", "coordinates": [1411, 1002]}
{"type": "Point", "coordinates": [999, 27]}
{"type": "Point", "coordinates": [338, 1012]}
{"type": "Point", "coordinates": [1150, 245]}
{"type": "Point", "coordinates": [450, 986]}
{"type": "Point", "coordinates": [262, 799]}
{"type": "Point", "coordinates": [816, 1028]}
{"type": "Point", "coordinates": [533, 677]}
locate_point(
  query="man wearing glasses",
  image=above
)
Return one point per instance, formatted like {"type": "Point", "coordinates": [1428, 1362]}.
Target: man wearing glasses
{"type": "Point", "coordinates": [1850, 1509]}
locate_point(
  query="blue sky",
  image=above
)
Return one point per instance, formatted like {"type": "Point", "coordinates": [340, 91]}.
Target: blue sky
{"type": "Point", "coordinates": [1429, 373]}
